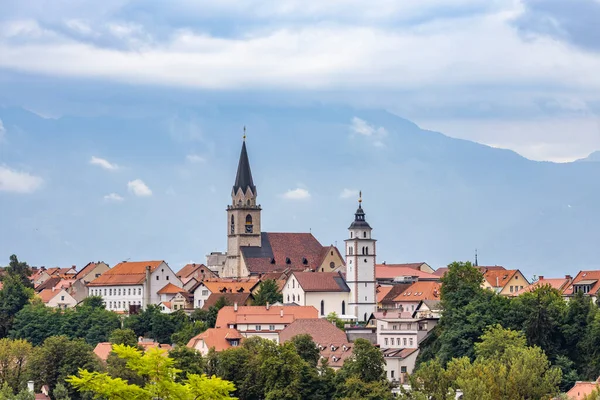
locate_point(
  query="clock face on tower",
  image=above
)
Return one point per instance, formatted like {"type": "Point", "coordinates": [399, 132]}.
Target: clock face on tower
{"type": "Point", "coordinates": [248, 228]}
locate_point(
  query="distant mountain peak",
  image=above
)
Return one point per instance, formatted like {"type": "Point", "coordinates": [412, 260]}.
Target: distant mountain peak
{"type": "Point", "coordinates": [593, 157]}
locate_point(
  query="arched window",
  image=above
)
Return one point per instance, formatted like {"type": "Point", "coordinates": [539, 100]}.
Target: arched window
{"type": "Point", "coordinates": [350, 235]}
{"type": "Point", "coordinates": [248, 223]}
{"type": "Point", "coordinates": [365, 318]}
{"type": "Point", "coordinates": [343, 307]}
{"type": "Point", "coordinates": [248, 202]}
{"type": "Point", "coordinates": [322, 307]}
{"type": "Point", "coordinates": [364, 234]}
{"type": "Point", "coordinates": [350, 250]}
{"type": "Point", "coordinates": [294, 297]}
{"type": "Point", "coordinates": [232, 225]}
{"type": "Point", "coordinates": [367, 250]}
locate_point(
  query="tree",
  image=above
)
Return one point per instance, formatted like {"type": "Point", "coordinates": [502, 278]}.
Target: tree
{"type": "Point", "coordinates": [213, 311]}
{"type": "Point", "coordinates": [14, 359]}
{"type": "Point", "coordinates": [58, 357]}
{"type": "Point", "coordinates": [268, 292]}
{"type": "Point", "coordinates": [151, 322]}
{"type": "Point", "coordinates": [188, 361]}
{"type": "Point", "coordinates": [36, 322]}
{"type": "Point", "coordinates": [60, 392]}
{"type": "Point", "coordinates": [159, 374]}
{"type": "Point", "coordinates": [307, 349]}
{"type": "Point", "coordinates": [21, 270]}
{"type": "Point", "coordinates": [123, 336]}
{"type": "Point", "coordinates": [334, 319]}
{"type": "Point", "coordinates": [190, 329]}
{"type": "Point", "coordinates": [14, 295]}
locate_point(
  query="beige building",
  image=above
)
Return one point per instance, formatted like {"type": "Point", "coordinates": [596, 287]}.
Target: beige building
{"type": "Point", "coordinates": [57, 298]}
{"type": "Point", "coordinates": [325, 291]}
{"type": "Point", "coordinates": [505, 282]}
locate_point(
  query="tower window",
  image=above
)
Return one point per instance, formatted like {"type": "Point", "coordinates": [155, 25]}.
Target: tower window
{"type": "Point", "coordinates": [322, 307]}
{"type": "Point", "coordinates": [249, 226]}
{"type": "Point", "coordinates": [343, 307]}
{"type": "Point", "coordinates": [350, 235]}
{"type": "Point", "coordinates": [232, 225]}
{"type": "Point", "coordinates": [364, 234]}
{"type": "Point", "coordinates": [350, 250]}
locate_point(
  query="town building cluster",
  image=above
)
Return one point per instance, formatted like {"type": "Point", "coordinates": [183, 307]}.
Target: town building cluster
{"type": "Point", "coordinates": [396, 306]}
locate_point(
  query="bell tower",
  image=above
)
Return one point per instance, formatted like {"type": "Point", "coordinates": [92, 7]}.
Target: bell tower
{"type": "Point", "coordinates": [360, 266]}
{"type": "Point", "coordinates": [243, 217]}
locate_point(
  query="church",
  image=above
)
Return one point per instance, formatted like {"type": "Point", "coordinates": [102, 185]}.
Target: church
{"type": "Point", "coordinates": [254, 253]}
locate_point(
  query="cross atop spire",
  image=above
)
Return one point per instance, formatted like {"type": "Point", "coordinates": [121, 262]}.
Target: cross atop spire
{"type": "Point", "coordinates": [360, 197]}
{"type": "Point", "coordinates": [244, 137]}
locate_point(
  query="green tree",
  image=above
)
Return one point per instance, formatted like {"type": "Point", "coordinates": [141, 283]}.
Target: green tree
{"type": "Point", "coordinates": [14, 359]}
{"type": "Point", "coordinates": [213, 311]}
{"type": "Point", "coordinates": [190, 329]}
{"type": "Point", "coordinates": [93, 302]}
{"type": "Point", "coordinates": [364, 369]}
{"type": "Point", "coordinates": [268, 292]}
{"type": "Point", "coordinates": [19, 269]}
{"type": "Point", "coordinates": [60, 392]}
{"type": "Point", "coordinates": [14, 295]}
{"type": "Point", "coordinates": [188, 361]}
{"type": "Point", "coordinates": [307, 349]}
{"type": "Point", "coordinates": [90, 322]}
{"type": "Point", "coordinates": [58, 357]}
{"type": "Point", "coordinates": [36, 322]}
{"type": "Point", "coordinates": [123, 336]}
{"type": "Point", "coordinates": [152, 323]}
{"type": "Point", "coordinates": [334, 319]}
{"type": "Point", "coordinates": [159, 374]}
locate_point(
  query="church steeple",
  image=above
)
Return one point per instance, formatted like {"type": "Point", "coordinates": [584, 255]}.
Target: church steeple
{"type": "Point", "coordinates": [359, 217]}
{"type": "Point", "coordinates": [243, 179]}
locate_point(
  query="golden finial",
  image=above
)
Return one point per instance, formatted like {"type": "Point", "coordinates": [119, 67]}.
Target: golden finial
{"type": "Point", "coordinates": [360, 196]}
{"type": "Point", "coordinates": [244, 137]}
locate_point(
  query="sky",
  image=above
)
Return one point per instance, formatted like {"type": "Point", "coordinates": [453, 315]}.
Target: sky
{"type": "Point", "coordinates": [515, 74]}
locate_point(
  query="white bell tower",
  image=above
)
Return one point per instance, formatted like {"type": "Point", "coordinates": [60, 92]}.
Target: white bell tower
{"type": "Point", "coordinates": [360, 267]}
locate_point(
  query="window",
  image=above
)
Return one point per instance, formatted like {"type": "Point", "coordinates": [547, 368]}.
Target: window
{"type": "Point", "coordinates": [288, 298]}
{"type": "Point", "coordinates": [167, 277]}
{"type": "Point", "coordinates": [516, 276]}
{"type": "Point", "coordinates": [392, 373]}
{"type": "Point", "coordinates": [119, 292]}
{"type": "Point", "coordinates": [364, 234]}
{"type": "Point", "coordinates": [367, 250]}
{"type": "Point", "coordinates": [205, 292]}
{"type": "Point", "coordinates": [293, 297]}
{"type": "Point", "coordinates": [365, 317]}
{"type": "Point", "coordinates": [343, 307]}
{"type": "Point", "coordinates": [235, 343]}
{"type": "Point", "coordinates": [140, 291]}
{"type": "Point", "coordinates": [404, 341]}
{"type": "Point", "coordinates": [249, 227]}
{"type": "Point", "coordinates": [232, 225]}
{"type": "Point", "coordinates": [350, 235]}
{"type": "Point", "coordinates": [62, 298]}
{"type": "Point", "coordinates": [199, 303]}
{"type": "Point", "coordinates": [350, 250]}
{"type": "Point", "coordinates": [521, 287]}
{"type": "Point", "coordinates": [332, 265]}
{"type": "Point", "coordinates": [271, 327]}
{"type": "Point", "coordinates": [258, 328]}
{"type": "Point", "coordinates": [129, 292]}
{"type": "Point", "coordinates": [411, 341]}
{"type": "Point", "coordinates": [394, 327]}
{"type": "Point", "coordinates": [293, 283]}
{"type": "Point", "coordinates": [365, 298]}
{"type": "Point", "coordinates": [386, 341]}
{"type": "Point", "coordinates": [119, 304]}
{"type": "Point", "coordinates": [365, 284]}
{"type": "Point", "coordinates": [322, 307]}
{"type": "Point", "coordinates": [105, 292]}
{"type": "Point", "coordinates": [110, 292]}
{"type": "Point", "coordinates": [403, 369]}
{"type": "Point", "coordinates": [157, 277]}
{"type": "Point", "coordinates": [511, 289]}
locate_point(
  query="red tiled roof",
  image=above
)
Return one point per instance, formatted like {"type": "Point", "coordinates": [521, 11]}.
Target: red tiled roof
{"type": "Point", "coordinates": [198, 271]}
{"type": "Point", "coordinates": [581, 389]}
{"type": "Point", "coordinates": [560, 284]}
{"type": "Point", "coordinates": [102, 350]}
{"type": "Point", "coordinates": [336, 353]}
{"type": "Point", "coordinates": [397, 353]}
{"type": "Point", "coordinates": [86, 270]}
{"type": "Point", "coordinates": [229, 286]}
{"type": "Point", "coordinates": [421, 290]}
{"type": "Point", "coordinates": [231, 298]}
{"type": "Point", "coordinates": [169, 288]}
{"type": "Point", "coordinates": [321, 281]}
{"type": "Point", "coordinates": [280, 251]}
{"type": "Point", "coordinates": [47, 294]}
{"type": "Point", "coordinates": [498, 277]}
{"type": "Point", "coordinates": [383, 271]}
{"type": "Point", "coordinates": [126, 273]}
{"type": "Point", "coordinates": [260, 315]}
{"type": "Point", "coordinates": [406, 265]}
{"type": "Point", "coordinates": [586, 276]}
{"type": "Point", "coordinates": [440, 271]}
{"type": "Point", "coordinates": [394, 292]}
{"type": "Point", "coordinates": [382, 291]}
{"type": "Point", "coordinates": [48, 283]}
{"type": "Point", "coordinates": [217, 338]}
{"type": "Point", "coordinates": [322, 331]}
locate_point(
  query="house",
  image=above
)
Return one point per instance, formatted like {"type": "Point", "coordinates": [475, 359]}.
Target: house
{"type": "Point", "coordinates": [218, 339]}
{"type": "Point", "coordinates": [205, 289]}
{"type": "Point", "coordinates": [57, 298]}
{"type": "Point", "coordinates": [401, 330]}
{"type": "Point", "coordinates": [173, 298]}
{"type": "Point", "coordinates": [402, 273]}
{"type": "Point", "coordinates": [91, 271]}
{"type": "Point", "coordinates": [428, 309]}
{"type": "Point", "coordinates": [332, 342]}
{"type": "Point", "coordinates": [198, 272]}
{"type": "Point", "coordinates": [263, 321]}
{"type": "Point", "coordinates": [410, 298]}
{"type": "Point", "coordinates": [103, 349]}
{"type": "Point", "coordinates": [132, 285]}
{"type": "Point", "coordinates": [399, 364]}
{"type": "Point", "coordinates": [39, 276]}
{"type": "Point", "coordinates": [325, 291]}
{"type": "Point", "coordinates": [388, 301]}
{"type": "Point", "coordinates": [560, 284]}
{"type": "Point", "coordinates": [48, 283]}
{"type": "Point", "coordinates": [505, 282]}
{"type": "Point", "coordinates": [382, 291]}
{"type": "Point", "coordinates": [65, 273]}
{"type": "Point", "coordinates": [419, 266]}
{"type": "Point", "coordinates": [242, 299]}
{"type": "Point", "coordinates": [586, 282]}
{"type": "Point", "coordinates": [582, 389]}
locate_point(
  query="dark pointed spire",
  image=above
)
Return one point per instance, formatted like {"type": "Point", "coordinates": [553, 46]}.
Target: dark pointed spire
{"type": "Point", "coordinates": [359, 216]}
{"type": "Point", "coordinates": [476, 262]}
{"type": "Point", "coordinates": [243, 179]}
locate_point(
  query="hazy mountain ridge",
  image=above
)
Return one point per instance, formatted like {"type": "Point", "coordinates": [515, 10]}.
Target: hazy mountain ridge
{"type": "Point", "coordinates": [428, 196]}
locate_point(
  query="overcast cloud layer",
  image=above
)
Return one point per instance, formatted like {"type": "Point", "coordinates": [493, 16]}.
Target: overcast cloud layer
{"type": "Point", "coordinates": [437, 62]}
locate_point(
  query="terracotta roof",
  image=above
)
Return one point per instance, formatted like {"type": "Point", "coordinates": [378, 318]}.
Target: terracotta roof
{"type": "Point", "coordinates": [86, 270]}
{"type": "Point", "coordinates": [420, 291]}
{"type": "Point", "coordinates": [166, 304]}
{"type": "Point", "coordinates": [321, 281]}
{"type": "Point", "coordinates": [232, 298]}
{"type": "Point", "coordinates": [199, 271]}
{"type": "Point", "coordinates": [322, 331]}
{"type": "Point", "coordinates": [581, 389]}
{"type": "Point", "coordinates": [440, 271]}
{"type": "Point", "coordinates": [65, 283]}
{"type": "Point", "coordinates": [260, 315]}
{"type": "Point", "coordinates": [47, 294]}
{"type": "Point", "coordinates": [394, 292]}
{"type": "Point", "coordinates": [217, 338]}
{"type": "Point", "coordinates": [228, 286]}
{"type": "Point", "coordinates": [102, 350]}
{"type": "Point", "coordinates": [383, 271]}
{"type": "Point", "coordinates": [586, 276]}
{"type": "Point", "coordinates": [280, 251]}
{"type": "Point", "coordinates": [405, 265]}
{"type": "Point", "coordinates": [169, 288]}
{"type": "Point", "coordinates": [382, 291]}
{"type": "Point", "coordinates": [126, 273]}
{"type": "Point", "coordinates": [498, 277]}
{"type": "Point", "coordinates": [336, 353]}
{"type": "Point", "coordinates": [560, 284]}
{"type": "Point", "coordinates": [397, 353]}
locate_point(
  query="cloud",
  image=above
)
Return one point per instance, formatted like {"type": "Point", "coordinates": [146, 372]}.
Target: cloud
{"type": "Point", "coordinates": [195, 158]}
{"type": "Point", "coordinates": [363, 128]}
{"type": "Point", "coordinates": [296, 194]}
{"type": "Point", "coordinates": [113, 197]}
{"type": "Point", "coordinates": [103, 163]}
{"type": "Point", "coordinates": [18, 181]}
{"type": "Point", "coordinates": [139, 188]}
{"type": "Point", "coordinates": [349, 194]}
{"type": "Point", "coordinates": [2, 130]}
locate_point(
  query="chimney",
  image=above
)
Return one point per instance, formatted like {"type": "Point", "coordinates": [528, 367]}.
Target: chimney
{"type": "Point", "coordinates": [235, 306]}
{"type": "Point", "coordinates": [147, 288]}
{"type": "Point", "coordinates": [30, 388]}
{"type": "Point", "coordinates": [541, 277]}
{"type": "Point", "coordinates": [281, 312]}
{"type": "Point", "coordinates": [53, 288]}
{"type": "Point", "coordinates": [268, 305]}
{"type": "Point", "coordinates": [569, 277]}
